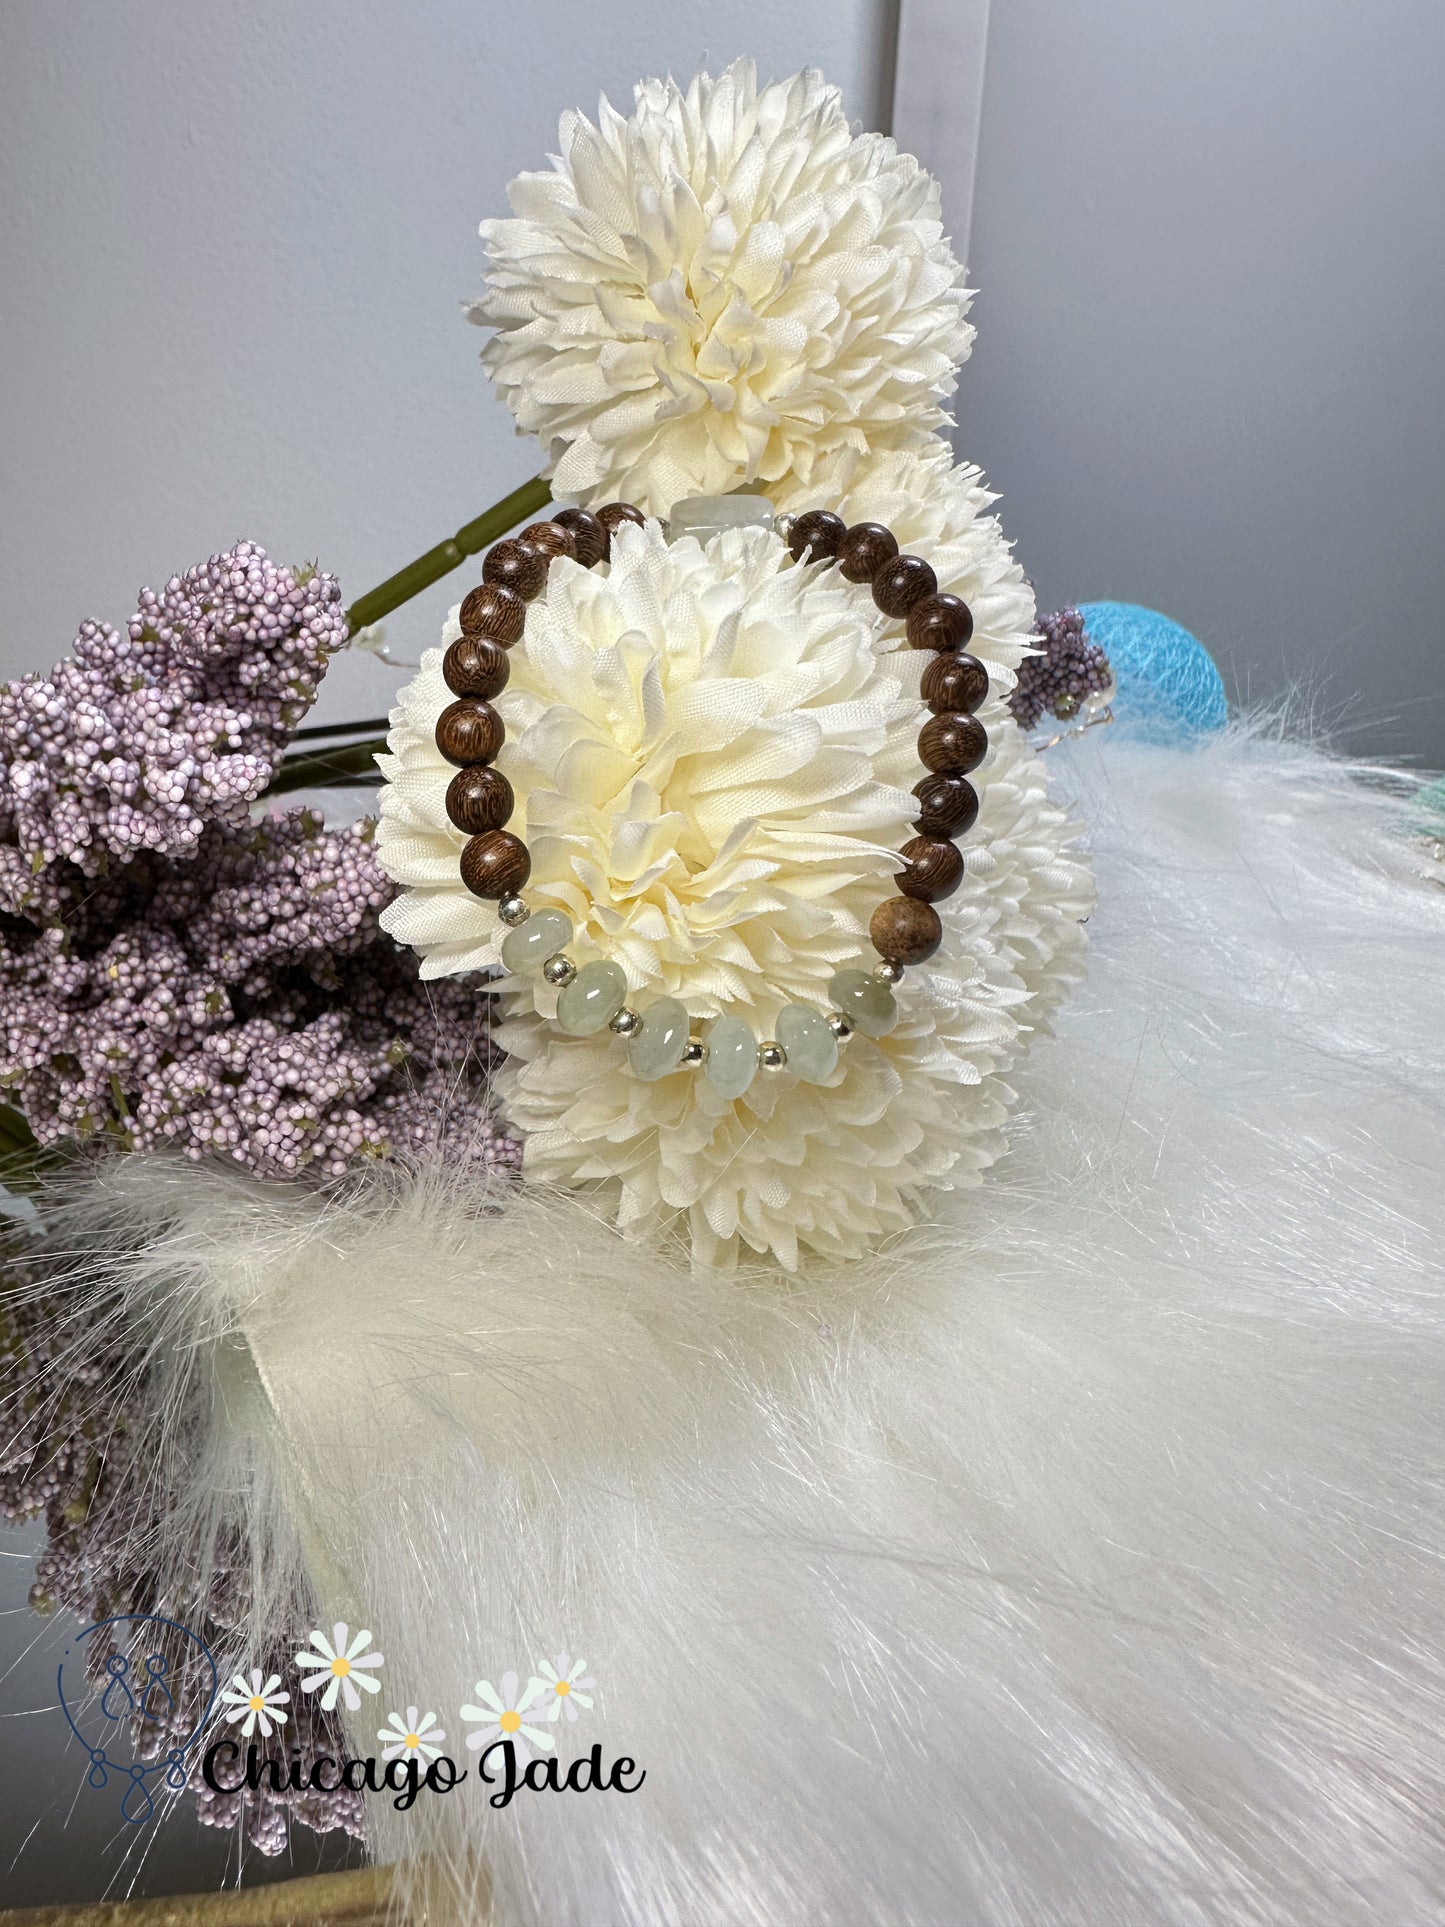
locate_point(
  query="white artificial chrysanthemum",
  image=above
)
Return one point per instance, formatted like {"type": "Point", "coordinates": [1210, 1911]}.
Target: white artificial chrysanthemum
{"type": "Point", "coordinates": [336, 1667]}
{"type": "Point", "coordinates": [941, 512]}
{"type": "Point", "coordinates": [712, 751]}
{"type": "Point", "coordinates": [256, 1703]}
{"type": "Point", "coordinates": [721, 290]}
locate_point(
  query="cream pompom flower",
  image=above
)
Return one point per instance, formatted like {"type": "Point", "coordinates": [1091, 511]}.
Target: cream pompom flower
{"type": "Point", "coordinates": [939, 511]}
{"type": "Point", "coordinates": [720, 290]}
{"type": "Point", "coordinates": [712, 751]}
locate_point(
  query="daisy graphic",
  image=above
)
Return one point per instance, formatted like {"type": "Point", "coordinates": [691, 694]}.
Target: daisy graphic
{"type": "Point", "coordinates": [336, 1664]}
{"type": "Point", "coordinates": [503, 1708]}
{"type": "Point", "coordinates": [561, 1689]}
{"type": "Point", "coordinates": [413, 1738]}
{"type": "Point", "coordinates": [255, 1704]}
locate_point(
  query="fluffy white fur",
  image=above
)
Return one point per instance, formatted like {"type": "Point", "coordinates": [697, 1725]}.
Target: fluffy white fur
{"type": "Point", "coordinates": [1076, 1560]}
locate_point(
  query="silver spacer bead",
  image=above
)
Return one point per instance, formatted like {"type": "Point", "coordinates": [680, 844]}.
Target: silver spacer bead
{"type": "Point", "coordinates": [839, 1026]}
{"type": "Point", "coordinates": [695, 1055]}
{"type": "Point", "coordinates": [784, 525]}
{"type": "Point", "coordinates": [626, 1023]}
{"type": "Point", "coordinates": [889, 973]}
{"type": "Point", "coordinates": [512, 910]}
{"type": "Point", "coordinates": [559, 970]}
{"type": "Point", "coordinates": [772, 1056]}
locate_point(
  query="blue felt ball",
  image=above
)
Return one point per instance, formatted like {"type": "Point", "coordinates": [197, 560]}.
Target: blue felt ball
{"type": "Point", "coordinates": [1168, 686]}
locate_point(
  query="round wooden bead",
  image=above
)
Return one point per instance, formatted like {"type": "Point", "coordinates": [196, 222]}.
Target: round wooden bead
{"type": "Point", "coordinates": [550, 539]}
{"type": "Point", "coordinates": [512, 565]}
{"type": "Point", "coordinates": [947, 806]}
{"type": "Point", "coordinates": [864, 550]}
{"type": "Point", "coordinates": [589, 536]}
{"type": "Point", "coordinates": [476, 666]}
{"type": "Point", "coordinates": [495, 864]}
{"type": "Point", "coordinates": [495, 612]}
{"type": "Point", "coordinates": [613, 514]}
{"type": "Point", "coordinates": [952, 745]}
{"type": "Point", "coordinates": [479, 799]}
{"type": "Point", "coordinates": [940, 622]}
{"type": "Point", "coordinates": [816, 536]}
{"type": "Point", "coordinates": [905, 931]}
{"type": "Point", "coordinates": [933, 869]}
{"type": "Point", "coordinates": [469, 732]}
{"type": "Point", "coordinates": [901, 583]}
{"type": "Point", "coordinates": [956, 684]}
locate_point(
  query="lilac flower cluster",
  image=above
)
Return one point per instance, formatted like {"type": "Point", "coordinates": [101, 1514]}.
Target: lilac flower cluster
{"type": "Point", "coordinates": [244, 1003]}
{"type": "Point", "coordinates": [73, 1455]}
{"type": "Point", "coordinates": [138, 741]}
{"type": "Point", "coordinates": [174, 974]}
{"type": "Point", "coordinates": [1062, 679]}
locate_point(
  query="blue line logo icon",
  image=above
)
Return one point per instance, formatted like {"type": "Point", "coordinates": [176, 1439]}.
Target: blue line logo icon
{"type": "Point", "coordinates": [137, 1700]}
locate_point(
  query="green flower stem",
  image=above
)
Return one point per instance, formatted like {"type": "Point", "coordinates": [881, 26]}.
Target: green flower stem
{"type": "Point", "coordinates": [470, 539]}
{"type": "Point", "coordinates": [20, 1155]}
{"type": "Point", "coordinates": [355, 763]}
{"type": "Point", "coordinates": [313, 732]}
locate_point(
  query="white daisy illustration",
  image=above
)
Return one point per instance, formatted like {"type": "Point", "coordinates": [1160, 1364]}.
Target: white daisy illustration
{"type": "Point", "coordinates": [256, 1705]}
{"type": "Point", "coordinates": [335, 1665]}
{"type": "Point", "coordinates": [417, 1737]}
{"type": "Point", "coordinates": [562, 1688]}
{"type": "Point", "coordinates": [502, 1708]}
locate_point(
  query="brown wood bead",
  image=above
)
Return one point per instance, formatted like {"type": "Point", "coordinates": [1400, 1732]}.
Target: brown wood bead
{"type": "Point", "coordinates": [495, 864]}
{"type": "Point", "coordinates": [947, 806]}
{"type": "Point", "coordinates": [469, 732]}
{"type": "Point", "coordinates": [495, 612]}
{"type": "Point", "coordinates": [899, 584]}
{"type": "Point", "coordinates": [613, 514]}
{"type": "Point", "coordinates": [952, 745]}
{"type": "Point", "coordinates": [816, 536]}
{"type": "Point", "coordinates": [954, 683]}
{"type": "Point", "coordinates": [940, 622]}
{"type": "Point", "coordinates": [476, 666]}
{"type": "Point", "coordinates": [512, 565]}
{"type": "Point", "coordinates": [933, 869]}
{"type": "Point", "coordinates": [549, 538]}
{"type": "Point", "coordinates": [905, 931]}
{"type": "Point", "coordinates": [588, 534]}
{"type": "Point", "coordinates": [479, 799]}
{"type": "Point", "coordinates": [864, 550]}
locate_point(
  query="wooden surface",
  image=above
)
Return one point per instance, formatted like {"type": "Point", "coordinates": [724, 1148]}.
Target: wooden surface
{"type": "Point", "coordinates": [324, 1900]}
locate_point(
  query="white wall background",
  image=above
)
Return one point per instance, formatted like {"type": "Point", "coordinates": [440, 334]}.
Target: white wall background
{"type": "Point", "coordinates": [1210, 244]}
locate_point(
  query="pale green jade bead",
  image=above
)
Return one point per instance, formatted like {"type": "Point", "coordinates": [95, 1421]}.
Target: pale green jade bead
{"type": "Point", "coordinates": [812, 1048]}
{"type": "Point", "coordinates": [657, 1048]}
{"type": "Point", "coordinates": [865, 1000]}
{"type": "Point", "coordinates": [732, 1057]}
{"type": "Point", "coordinates": [530, 945]}
{"type": "Point", "coordinates": [708, 515]}
{"type": "Point", "coordinates": [592, 999]}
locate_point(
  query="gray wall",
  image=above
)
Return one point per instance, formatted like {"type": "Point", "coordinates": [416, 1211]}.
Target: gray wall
{"type": "Point", "coordinates": [1210, 243]}
{"type": "Point", "coordinates": [236, 238]}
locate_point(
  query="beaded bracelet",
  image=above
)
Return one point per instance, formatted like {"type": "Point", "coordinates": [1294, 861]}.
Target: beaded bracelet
{"type": "Point", "coordinates": [904, 929]}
